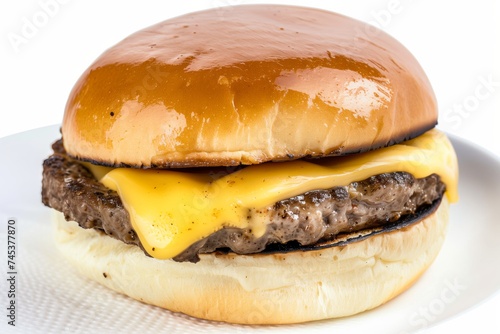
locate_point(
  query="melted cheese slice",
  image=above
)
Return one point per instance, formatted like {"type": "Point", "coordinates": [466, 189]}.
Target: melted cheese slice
{"type": "Point", "coordinates": [171, 210]}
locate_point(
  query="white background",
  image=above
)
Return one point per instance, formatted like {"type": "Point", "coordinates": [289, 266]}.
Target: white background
{"type": "Point", "coordinates": [45, 46]}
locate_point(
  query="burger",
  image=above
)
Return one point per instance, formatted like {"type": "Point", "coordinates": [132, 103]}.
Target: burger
{"type": "Point", "coordinates": [253, 164]}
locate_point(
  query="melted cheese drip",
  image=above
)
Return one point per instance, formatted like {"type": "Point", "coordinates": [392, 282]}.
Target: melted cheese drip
{"type": "Point", "coordinates": [171, 210]}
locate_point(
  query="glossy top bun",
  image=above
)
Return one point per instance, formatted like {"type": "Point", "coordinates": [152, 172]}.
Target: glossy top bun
{"type": "Point", "coordinates": [245, 85]}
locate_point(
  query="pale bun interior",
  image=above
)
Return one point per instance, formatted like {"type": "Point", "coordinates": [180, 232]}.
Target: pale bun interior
{"type": "Point", "coordinates": [266, 288]}
{"type": "Point", "coordinates": [259, 83]}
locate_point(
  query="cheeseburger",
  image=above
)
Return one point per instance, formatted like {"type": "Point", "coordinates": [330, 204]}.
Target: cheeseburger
{"type": "Point", "coordinates": [253, 164]}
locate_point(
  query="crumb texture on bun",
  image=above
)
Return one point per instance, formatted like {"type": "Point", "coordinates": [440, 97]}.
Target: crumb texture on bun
{"type": "Point", "coordinates": [245, 85]}
{"type": "Point", "coordinates": [265, 288]}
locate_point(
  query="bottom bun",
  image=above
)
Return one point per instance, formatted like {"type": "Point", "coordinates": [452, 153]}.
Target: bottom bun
{"type": "Point", "coordinates": [263, 288]}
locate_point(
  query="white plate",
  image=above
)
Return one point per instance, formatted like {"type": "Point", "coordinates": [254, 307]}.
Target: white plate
{"type": "Point", "coordinates": [52, 297]}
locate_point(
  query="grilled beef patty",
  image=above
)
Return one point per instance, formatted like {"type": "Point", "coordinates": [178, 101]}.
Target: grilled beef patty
{"type": "Point", "coordinates": [315, 216]}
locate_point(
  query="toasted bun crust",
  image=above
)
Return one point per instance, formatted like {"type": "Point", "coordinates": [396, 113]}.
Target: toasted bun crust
{"type": "Point", "coordinates": [244, 85]}
{"type": "Point", "coordinates": [266, 288]}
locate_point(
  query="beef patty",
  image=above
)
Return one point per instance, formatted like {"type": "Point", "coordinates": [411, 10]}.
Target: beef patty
{"type": "Point", "coordinates": [315, 216]}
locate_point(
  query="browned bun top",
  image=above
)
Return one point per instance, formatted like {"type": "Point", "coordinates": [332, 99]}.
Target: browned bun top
{"type": "Point", "coordinates": [245, 85]}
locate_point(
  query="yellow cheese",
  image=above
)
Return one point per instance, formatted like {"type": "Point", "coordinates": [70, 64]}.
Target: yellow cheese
{"type": "Point", "coordinates": [170, 210]}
